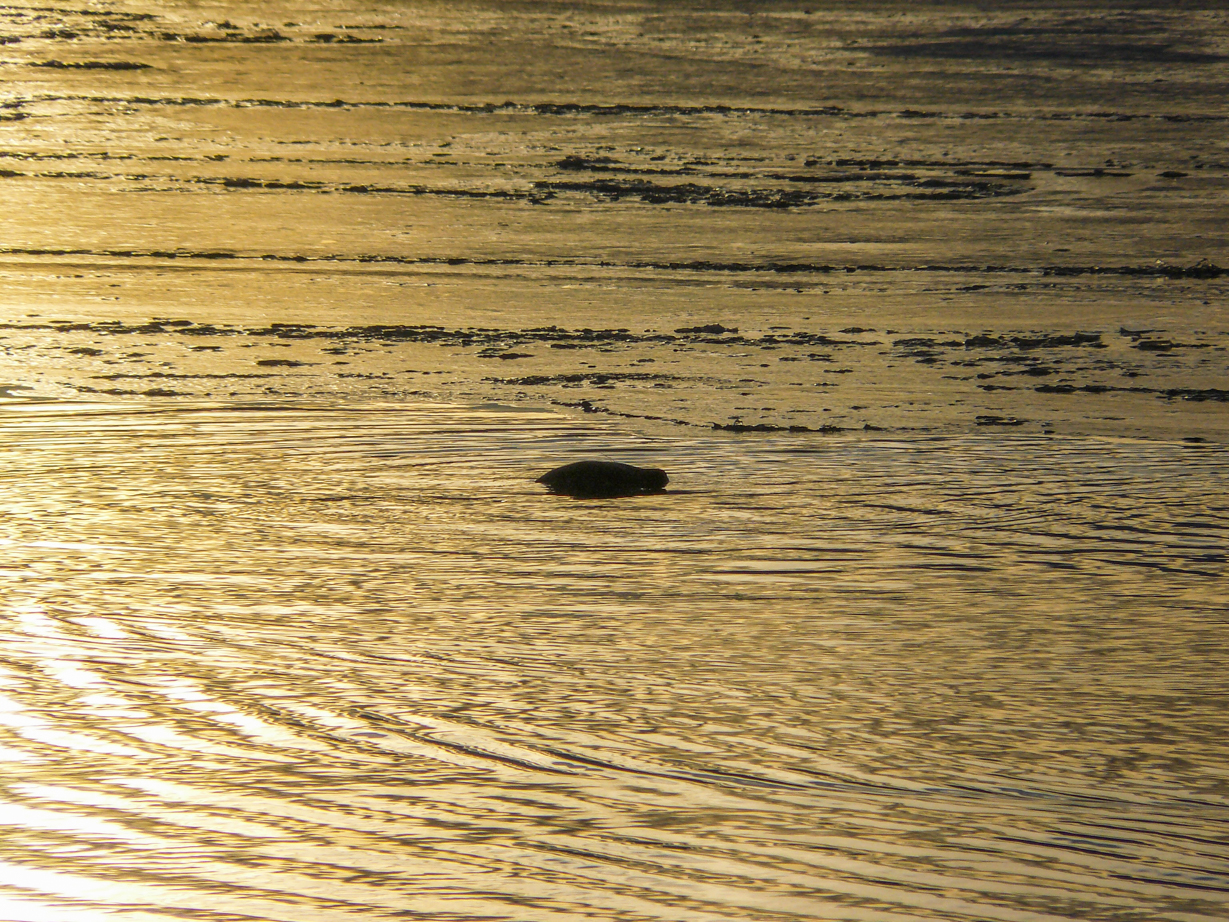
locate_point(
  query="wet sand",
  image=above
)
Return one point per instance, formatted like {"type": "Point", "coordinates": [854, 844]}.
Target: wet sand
{"type": "Point", "coordinates": [1133, 382]}
{"type": "Point", "coordinates": [1021, 211]}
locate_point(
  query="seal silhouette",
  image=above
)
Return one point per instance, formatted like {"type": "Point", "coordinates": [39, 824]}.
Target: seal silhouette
{"type": "Point", "coordinates": [603, 479]}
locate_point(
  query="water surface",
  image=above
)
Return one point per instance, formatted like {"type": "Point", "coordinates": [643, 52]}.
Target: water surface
{"type": "Point", "coordinates": [336, 661]}
{"type": "Point", "coordinates": [923, 307]}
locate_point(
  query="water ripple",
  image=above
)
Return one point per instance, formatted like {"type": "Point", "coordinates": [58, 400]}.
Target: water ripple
{"type": "Point", "coordinates": [315, 662]}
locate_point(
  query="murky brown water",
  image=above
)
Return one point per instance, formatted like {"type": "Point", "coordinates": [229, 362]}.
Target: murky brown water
{"type": "Point", "coordinates": [922, 308]}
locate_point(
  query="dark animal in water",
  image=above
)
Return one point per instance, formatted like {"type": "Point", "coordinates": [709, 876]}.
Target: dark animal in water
{"type": "Point", "coordinates": [603, 479]}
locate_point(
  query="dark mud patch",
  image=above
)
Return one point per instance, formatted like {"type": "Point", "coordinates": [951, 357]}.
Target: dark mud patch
{"type": "Point", "coordinates": [1192, 394]}
{"type": "Point", "coordinates": [771, 428]}
{"type": "Point", "coordinates": [1203, 269]}
{"type": "Point", "coordinates": [241, 183]}
{"type": "Point", "coordinates": [1094, 173]}
{"type": "Point", "coordinates": [927, 342]}
{"type": "Point", "coordinates": [1198, 395]}
{"type": "Point", "coordinates": [1092, 389]}
{"type": "Point", "coordinates": [504, 343]}
{"type": "Point", "coordinates": [180, 377]}
{"type": "Point", "coordinates": [651, 110]}
{"type": "Point", "coordinates": [714, 329]}
{"type": "Point", "coordinates": [592, 379]}
{"type": "Point", "coordinates": [258, 37]}
{"type": "Point", "coordinates": [640, 190]}
{"type": "Point", "coordinates": [1037, 341]}
{"type": "Point", "coordinates": [1164, 345]}
{"type": "Point", "coordinates": [91, 65]}
{"type": "Point", "coordinates": [121, 328]}
{"type": "Point", "coordinates": [123, 392]}
{"type": "Point", "coordinates": [702, 367]}
{"type": "Point", "coordinates": [332, 38]}
{"type": "Point", "coordinates": [587, 406]}
{"type": "Point", "coordinates": [945, 174]}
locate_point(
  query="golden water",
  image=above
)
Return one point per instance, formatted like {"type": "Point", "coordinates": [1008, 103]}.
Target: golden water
{"type": "Point", "coordinates": [333, 662]}
{"type": "Point", "coordinates": [923, 308]}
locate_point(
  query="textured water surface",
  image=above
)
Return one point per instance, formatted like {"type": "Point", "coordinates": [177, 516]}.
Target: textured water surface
{"type": "Point", "coordinates": [922, 306]}
{"type": "Point", "coordinates": [331, 662]}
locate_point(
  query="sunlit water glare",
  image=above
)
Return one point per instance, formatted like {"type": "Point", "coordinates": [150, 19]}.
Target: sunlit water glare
{"type": "Point", "coordinates": [314, 662]}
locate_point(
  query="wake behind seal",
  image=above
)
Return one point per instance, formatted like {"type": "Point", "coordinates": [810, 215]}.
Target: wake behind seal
{"type": "Point", "coordinates": [603, 480]}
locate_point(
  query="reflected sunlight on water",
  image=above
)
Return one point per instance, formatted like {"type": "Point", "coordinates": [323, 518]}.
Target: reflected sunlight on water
{"type": "Point", "coordinates": [313, 663]}
{"type": "Point", "coordinates": [923, 308]}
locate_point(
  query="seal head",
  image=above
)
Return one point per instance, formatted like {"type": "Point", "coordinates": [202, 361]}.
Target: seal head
{"type": "Point", "coordinates": [603, 479]}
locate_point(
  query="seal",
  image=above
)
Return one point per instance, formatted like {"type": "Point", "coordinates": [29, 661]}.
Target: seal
{"type": "Point", "coordinates": [603, 479]}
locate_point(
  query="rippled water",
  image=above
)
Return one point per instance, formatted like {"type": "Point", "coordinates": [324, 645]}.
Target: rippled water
{"type": "Point", "coordinates": [323, 661]}
{"type": "Point", "coordinates": [922, 307]}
